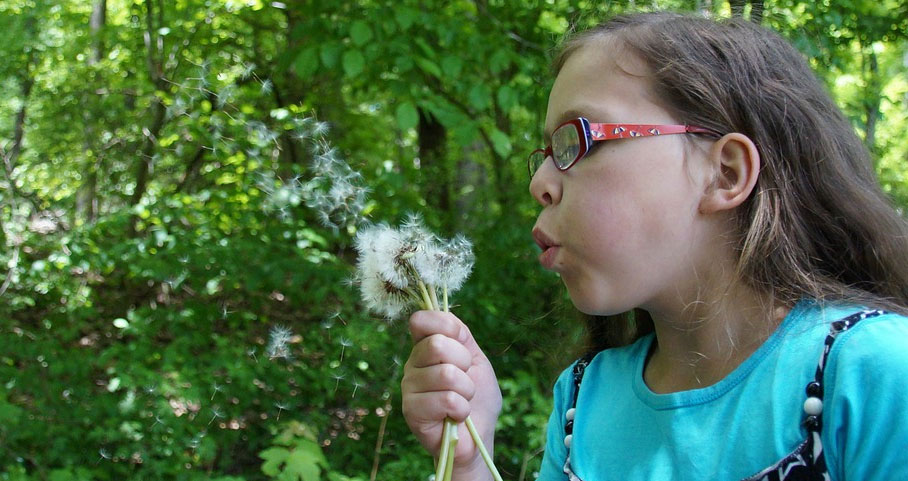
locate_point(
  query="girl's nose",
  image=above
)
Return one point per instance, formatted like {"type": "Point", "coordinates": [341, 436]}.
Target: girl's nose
{"type": "Point", "coordinates": [545, 186]}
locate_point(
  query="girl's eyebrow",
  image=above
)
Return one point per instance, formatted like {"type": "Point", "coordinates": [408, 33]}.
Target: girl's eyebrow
{"type": "Point", "coordinates": [573, 114]}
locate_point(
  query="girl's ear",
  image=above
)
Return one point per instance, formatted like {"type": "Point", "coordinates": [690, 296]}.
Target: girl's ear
{"type": "Point", "coordinates": [737, 163]}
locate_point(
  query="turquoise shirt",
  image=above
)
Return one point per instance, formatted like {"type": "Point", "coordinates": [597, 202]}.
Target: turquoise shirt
{"type": "Point", "coordinates": [750, 419]}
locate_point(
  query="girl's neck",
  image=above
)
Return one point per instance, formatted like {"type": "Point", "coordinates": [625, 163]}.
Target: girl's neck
{"type": "Point", "coordinates": [706, 341]}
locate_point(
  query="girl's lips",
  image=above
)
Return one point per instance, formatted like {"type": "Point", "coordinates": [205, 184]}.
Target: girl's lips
{"type": "Point", "coordinates": [547, 258]}
{"type": "Point", "coordinates": [549, 248]}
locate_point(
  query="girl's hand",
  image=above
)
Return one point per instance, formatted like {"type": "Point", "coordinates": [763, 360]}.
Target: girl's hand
{"type": "Point", "coordinates": [447, 375]}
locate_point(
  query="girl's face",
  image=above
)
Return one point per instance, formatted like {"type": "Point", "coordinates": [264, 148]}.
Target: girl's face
{"type": "Point", "coordinates": [623, 221]}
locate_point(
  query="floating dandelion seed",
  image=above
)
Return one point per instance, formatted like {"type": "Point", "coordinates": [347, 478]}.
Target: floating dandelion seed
{"type": "Point", "coordinates": [278, 339]}
{"type": "Point", "coordinates": [280, 408]}
{"type": "Point", "coordinates": [251, 353]}
{"type": "Point", "coordinates": [345, 343]}
{"type": "Point", "coordinates": [217, 388]}
{"type": "Point", "coordinates": [157, 420]}
{"type": "Point", "coordinates": [356, 385]}
{"type": "Point", "coordinates": [216, 413]}
{"type": "Point", "coordinates": [105, 454]}
{"type": "Point", "coordinates": [337, 379]}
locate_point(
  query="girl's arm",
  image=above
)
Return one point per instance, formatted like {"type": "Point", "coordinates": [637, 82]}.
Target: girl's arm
{"type": "Point", "coordinates": [447, 375]}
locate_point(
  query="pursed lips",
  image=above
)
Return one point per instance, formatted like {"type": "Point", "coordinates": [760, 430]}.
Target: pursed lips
{"type": "Point", "coordinates": [549, 248]}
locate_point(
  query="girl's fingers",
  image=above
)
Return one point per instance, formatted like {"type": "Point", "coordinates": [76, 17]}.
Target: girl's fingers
{"type": "Point", "coordinates": [427, 323]}
{"type": "Point", "coordinates": [425, 412]}
{"type": "Point", "coordinates": [439, 378]}
{"type": "Point", "coordinates": [439, 349]}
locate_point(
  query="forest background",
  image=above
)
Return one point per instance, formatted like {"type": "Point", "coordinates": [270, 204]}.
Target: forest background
{"type": "Point", "coordinates": [179, 189]}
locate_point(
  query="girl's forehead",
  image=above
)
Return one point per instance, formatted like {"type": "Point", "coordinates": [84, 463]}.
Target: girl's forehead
{"type": "Point", "coordinates": [601, 81]}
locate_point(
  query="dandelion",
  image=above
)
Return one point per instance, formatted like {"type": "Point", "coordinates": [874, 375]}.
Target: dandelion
{"type": "Point", "coordinates": [401, 269]}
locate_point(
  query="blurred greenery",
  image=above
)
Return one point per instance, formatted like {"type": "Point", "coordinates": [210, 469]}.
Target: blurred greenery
{"type": "Point", "coordinates": [160, 159]}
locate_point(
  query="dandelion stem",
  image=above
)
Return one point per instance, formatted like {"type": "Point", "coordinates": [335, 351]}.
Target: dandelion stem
{"type": "Point", "coordinates": [440, 469]}
{"type": "Point", "coordinates": [427, 301]}
{"type": "Point", "coordinates": [445, 297]}
{"type": "Point", "coordinates": [449, 468]}
{"type": "Point", "coordinates": [482, 449]}
{"type": "Point", "coordinates": [434, 296]}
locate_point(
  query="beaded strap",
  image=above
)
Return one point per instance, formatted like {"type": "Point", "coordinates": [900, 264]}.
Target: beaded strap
{"type": "Point", "coordinates": [808, 461]}
{"type": "Point", "coordinates": [579, 368]}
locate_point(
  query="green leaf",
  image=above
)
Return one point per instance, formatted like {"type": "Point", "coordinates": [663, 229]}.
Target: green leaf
{"type": "Point", "coordinates": [306, 63]}
{"type": "Point", "coordinates": [452, 66]}
{"type": "Point", "coordinates": [360, 33]}
{"type": "Point", "coordinates": [507, 97]}
{"type": "Point", "coordinates": [499, 61]}
{"type": "Point", "coordinates": [500, 142]}
{"type": "Point", "coordinates": [428, 67]}
{"type": "Point", "coordinates": [405, 17]}
{"type": "Point", "coordinates": [304, 464]}
{"type": "Point", "coordinates": [329, 54]}
{"type": "Point", "coordinates": [480, 97]}
{"type": "Point", "coordinates": [273, 457]}
{"type": "Point", "coordinates": [354, 63]}
{"type": "Point", "coordinates": [407, 116]}
{"type": "Point", "coordinates": [424, 46]}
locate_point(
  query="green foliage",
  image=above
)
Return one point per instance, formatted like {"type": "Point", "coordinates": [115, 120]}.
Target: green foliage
{"type": "Point", "coordinates": [155, 229]}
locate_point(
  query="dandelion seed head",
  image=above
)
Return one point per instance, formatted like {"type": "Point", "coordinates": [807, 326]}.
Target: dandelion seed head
{"type": "Point", "coordinates": [279, 338]}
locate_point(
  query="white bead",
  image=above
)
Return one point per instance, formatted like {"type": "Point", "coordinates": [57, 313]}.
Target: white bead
{"type": "Point", "coordinates": [813, 406]}
{"type": "Point", "coordinates": [567, 440]}
{"type": "Point", "coordinates": [569, 415]}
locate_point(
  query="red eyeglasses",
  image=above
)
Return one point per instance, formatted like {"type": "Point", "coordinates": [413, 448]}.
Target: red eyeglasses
{"type": "Point", "coordinates": [574, 138]}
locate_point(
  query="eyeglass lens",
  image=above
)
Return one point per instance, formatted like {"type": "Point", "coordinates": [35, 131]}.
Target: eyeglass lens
{"type": "Point", "coordinates": [565, 149]}
{"type": "Point", "coordinates": [565, 145]}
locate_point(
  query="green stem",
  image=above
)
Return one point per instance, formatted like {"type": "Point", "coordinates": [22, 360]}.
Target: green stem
{"type": "Point", "coordinates": [449, 468]}
{"type": "Point", "coordinates": [482, 450]}
{"type": "Point", "coordinates": [445, 297]}
{"type": "Point", "coordinates": [434, 296]}
{"type": "Point", "coordinates": [426, 299]}
{"type": "Point", "coordinates": [441, 467]}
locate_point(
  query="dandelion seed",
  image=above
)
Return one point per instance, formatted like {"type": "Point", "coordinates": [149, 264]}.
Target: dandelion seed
{"type": "Point", "coordinates": [251, 353]}
{"type": "Point", "coordinates": [280, 408]}
{"type": "Point", "coordinates": [215, 415]}
{"type": "Point", "coordinates": [105, 454]}
{"type": "Point", "coordinates": [217, 388]}
{"type": "Point", "coordinates": [345, 343]}
{"type": "Point", "coordinates": [356, 385]}
{"type": "Point", "coordinates": [337, 379]}
{"type": "Point", "coordinates": [157, 420]}
{"type": "Point", "coordinates": [279, 338]}
{"type": "Point", "coordinates": [267, 86]}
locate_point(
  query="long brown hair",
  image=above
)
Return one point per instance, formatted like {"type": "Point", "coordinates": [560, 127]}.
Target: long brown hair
{"type": "Point", "coordinates": [817, 225]}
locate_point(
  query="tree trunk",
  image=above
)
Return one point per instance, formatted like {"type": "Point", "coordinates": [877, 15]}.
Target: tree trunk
{"type": "Point", "coordinates": [153, 46]}
{"type": "Point", "coordinates": [432, 147]}
{"type": "Point", "coordinates": [87, 197]}
{"type": "Point", "coordinates": [872, 98]}
{"type": "Point", "coordinates": [97, 23]}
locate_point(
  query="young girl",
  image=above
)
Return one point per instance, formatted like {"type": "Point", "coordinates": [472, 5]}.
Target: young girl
{"type": "Point", "coordinates": [701, 195]}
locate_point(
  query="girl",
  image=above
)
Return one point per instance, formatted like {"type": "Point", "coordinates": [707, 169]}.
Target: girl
{"type": "Point", "coordinates": [701, 195]}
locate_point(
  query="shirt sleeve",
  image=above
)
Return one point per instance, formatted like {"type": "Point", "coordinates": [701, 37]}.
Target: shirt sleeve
{"type": "Point", "coordinates": [555, 452]}
{"type": "Point", "coordinates": [866, 413]}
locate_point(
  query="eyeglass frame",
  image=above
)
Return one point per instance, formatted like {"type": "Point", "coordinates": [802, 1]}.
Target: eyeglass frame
{"type": "Point", "coordinates": [600, 132]}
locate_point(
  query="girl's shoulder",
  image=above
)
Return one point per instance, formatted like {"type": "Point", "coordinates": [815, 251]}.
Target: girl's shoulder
{"type": "Point", "coordinates": [864, 402]}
